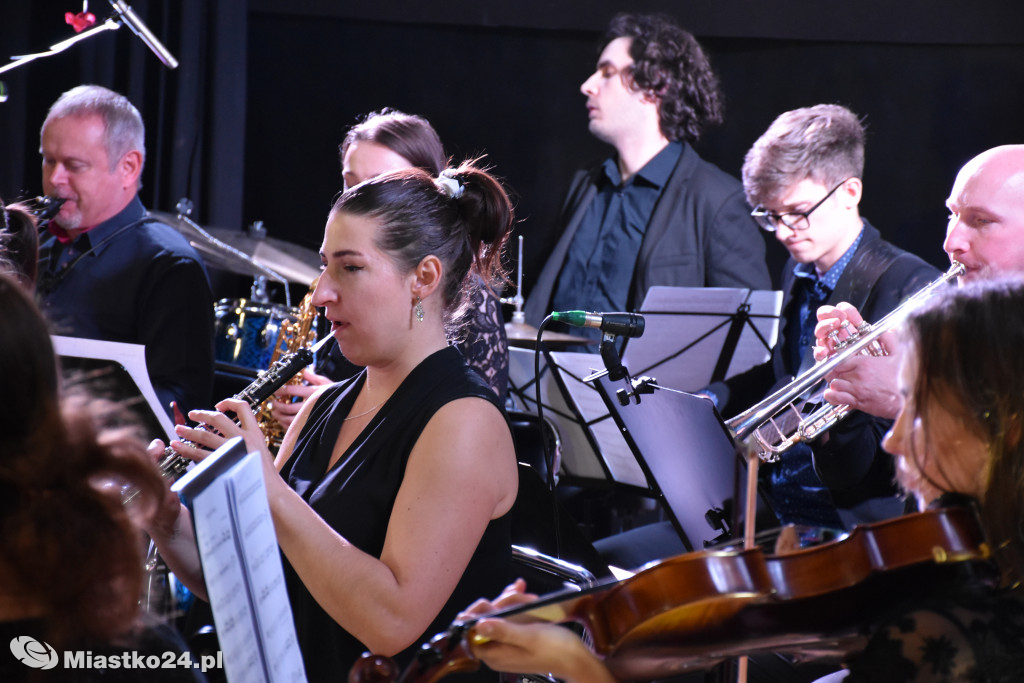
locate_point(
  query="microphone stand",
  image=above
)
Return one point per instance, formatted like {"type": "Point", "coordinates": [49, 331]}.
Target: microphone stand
{"type": "Point", "coordinates": [610, 356]}
{"type": "Point", "coordinates": [57, 48]}
{"type": "Point", "coordinates": [646, 385]}
{"type": "Point", "coordinates": [122, 15]}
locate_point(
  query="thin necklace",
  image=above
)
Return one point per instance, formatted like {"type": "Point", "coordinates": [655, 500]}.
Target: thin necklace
{"type": "Point", "coordinates": [352, 417]}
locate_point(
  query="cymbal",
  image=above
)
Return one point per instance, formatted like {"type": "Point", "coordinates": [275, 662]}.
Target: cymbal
{"type": "Point", "coordinates": [524, 336]}
{"type": "Point", "coordinates": [243, 254]}
{"type": "Point", "coordinates": [294, 262]}
{"type": "Point", "coordinates": [215, 255]}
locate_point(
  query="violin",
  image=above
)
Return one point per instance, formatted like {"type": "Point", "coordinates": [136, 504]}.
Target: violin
{"type": "Point", "coordinates": [696, 610]}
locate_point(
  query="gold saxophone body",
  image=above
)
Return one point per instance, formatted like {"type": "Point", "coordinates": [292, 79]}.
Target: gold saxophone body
{"type": "Point", "coordinates": [291, 336]}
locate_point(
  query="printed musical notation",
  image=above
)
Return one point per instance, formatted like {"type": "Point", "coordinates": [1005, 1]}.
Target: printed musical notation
{"type": "Point", "coordinates": [242, 566]}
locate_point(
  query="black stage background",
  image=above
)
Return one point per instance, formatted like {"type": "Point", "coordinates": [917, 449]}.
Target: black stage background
{"type": "Point", "coordinates": [248, 125]}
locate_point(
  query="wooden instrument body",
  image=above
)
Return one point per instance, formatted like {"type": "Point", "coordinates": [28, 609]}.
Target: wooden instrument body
{"type": "Point", "coordinates": [695, 610]}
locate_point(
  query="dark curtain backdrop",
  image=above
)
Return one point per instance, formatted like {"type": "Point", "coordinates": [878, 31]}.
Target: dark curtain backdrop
{"type": "Point", "coordinates": [248, 126]}
{"type": "Point", "coordinates": [194, 115]}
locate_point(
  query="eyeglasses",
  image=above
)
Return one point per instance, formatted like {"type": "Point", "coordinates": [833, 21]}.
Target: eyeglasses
{"type": "Point", "coordinates": [794, 220]}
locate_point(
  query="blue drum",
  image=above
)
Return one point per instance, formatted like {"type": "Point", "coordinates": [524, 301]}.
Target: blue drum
{"type": "Point", "coordinates": [246, 332]}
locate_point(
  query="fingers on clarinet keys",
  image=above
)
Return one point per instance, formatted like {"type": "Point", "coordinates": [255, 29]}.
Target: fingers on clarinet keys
{"type": "Point", "coordinates": [194, 439]}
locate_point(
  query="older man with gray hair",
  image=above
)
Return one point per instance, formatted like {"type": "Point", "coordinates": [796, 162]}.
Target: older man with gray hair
{"type": "Point", "coordinates": [110, 271]}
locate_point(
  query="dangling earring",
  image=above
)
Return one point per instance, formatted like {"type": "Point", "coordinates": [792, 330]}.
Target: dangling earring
{"type": "Point", "coordinates": [418, 309]}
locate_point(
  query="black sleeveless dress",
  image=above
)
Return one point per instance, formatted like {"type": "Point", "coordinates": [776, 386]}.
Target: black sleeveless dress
{"type": "Point", "coordinates": [356, 496]}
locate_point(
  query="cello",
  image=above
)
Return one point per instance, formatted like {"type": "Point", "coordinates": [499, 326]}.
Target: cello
{"type": "Point", "coordinates": [696, 610]}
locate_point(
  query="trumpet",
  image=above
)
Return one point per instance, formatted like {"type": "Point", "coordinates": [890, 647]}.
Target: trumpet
{"type": "Point", "coordinates": [785, 419]}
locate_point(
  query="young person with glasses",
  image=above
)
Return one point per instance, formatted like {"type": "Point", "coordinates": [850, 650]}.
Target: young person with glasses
{"type": "Point", "coordinates": [803, 175]}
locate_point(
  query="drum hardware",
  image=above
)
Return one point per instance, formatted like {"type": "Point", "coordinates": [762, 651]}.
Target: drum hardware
{"type": "Point", "coordinates": [248, 332]}
{"type": "Point", "coordinates": [293, 262]}
{"type": "Point", "coordinates": [251, 252]}
{"type": "Point", "coordinates": [517, 300]}
{"type": "Point", "coordinates": [523, 335]}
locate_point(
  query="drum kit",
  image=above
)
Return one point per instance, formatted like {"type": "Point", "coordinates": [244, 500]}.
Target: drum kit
{"type": "Point", "coordinates": [247, 331]}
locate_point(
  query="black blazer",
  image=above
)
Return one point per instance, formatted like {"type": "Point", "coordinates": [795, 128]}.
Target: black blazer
{"type": "Point", "coordinates": [700, 235]}
{"type": "Point", "coordinates": [852, 463]}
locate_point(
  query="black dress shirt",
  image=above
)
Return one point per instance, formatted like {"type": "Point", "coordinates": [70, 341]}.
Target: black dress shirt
{"type": "Point", "coordinates": [132, 279]}
{"type": "Point", "coordinates": [599, 267]}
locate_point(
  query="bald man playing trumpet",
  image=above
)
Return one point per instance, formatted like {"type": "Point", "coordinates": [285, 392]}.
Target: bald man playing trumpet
{"type": "Point", "coordinates": [985, 233]}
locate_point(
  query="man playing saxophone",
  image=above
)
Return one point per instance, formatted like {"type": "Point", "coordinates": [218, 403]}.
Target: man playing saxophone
{"type": "Point", "coordinates": [803, 175]}
{"type": "Point", "coordinates": [985, 233]}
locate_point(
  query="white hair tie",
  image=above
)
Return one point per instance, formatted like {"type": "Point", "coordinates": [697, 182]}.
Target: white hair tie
{"type": "Point", "coordinates": [449, 184]}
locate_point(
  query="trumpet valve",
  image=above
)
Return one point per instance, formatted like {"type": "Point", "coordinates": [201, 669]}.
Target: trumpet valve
{"type": "Point", "coordinates": [849, 335]}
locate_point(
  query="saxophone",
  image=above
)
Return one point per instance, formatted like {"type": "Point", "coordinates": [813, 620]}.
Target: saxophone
{"type": "Point", "coordinates": [291, 337]}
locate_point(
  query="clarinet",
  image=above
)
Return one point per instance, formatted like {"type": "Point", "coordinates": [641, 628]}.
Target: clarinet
{"type": "Point", "coordinates": [172, 464]}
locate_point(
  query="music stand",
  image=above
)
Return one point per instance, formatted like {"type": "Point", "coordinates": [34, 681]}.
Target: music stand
{"type": "Point", "coordinates": [698, 335]}
{"type": "Point", "coordinates": [692, 335]}
{"type": "Point", "coordinates": [689, 459]}
{"type": "Point", "coordinates": [117, 372]}
{"type": "Point", "coordinates": [582, 432]}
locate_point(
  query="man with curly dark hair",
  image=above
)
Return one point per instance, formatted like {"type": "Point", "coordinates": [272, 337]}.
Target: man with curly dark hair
{"type": "Point", "coordinates": [655, 213]}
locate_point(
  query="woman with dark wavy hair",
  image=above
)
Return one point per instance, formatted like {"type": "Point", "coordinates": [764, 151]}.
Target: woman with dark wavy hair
{"type": "Point", "coordinates": [71, 565]}
{"type": "Point", "coordinates": [19, 243]}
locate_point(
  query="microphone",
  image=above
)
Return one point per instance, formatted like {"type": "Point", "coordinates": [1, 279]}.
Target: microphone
{"type": "Point", "coordinates": [621, 324]}
{"type": "Point", "coordinates": [134, 23]}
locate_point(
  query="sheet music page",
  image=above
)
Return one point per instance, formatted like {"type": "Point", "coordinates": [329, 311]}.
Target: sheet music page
{"type": "Point", "coordinates": [750, 351]}
{"type": "Point", "coordinates": [686, 328]}
{"type": "Point", "coordinates": [578, 457]}
{"type": "Point", "coordinates": [243, 573]}
{"type": "Point", "coordinates": [132, 357]}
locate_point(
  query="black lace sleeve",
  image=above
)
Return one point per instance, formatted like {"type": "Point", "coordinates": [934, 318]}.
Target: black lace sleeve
{"type": "Point", "coordinates": [974, 640]}
{"type": "Point", "coordinates": [485, 345]}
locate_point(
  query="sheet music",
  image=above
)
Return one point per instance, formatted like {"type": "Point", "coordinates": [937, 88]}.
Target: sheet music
{"type": "Point", "coordinates": [579, 459]}
{"type": "Point", "coordinates": [242, 566]}
{"type": "Point", "coordinates": [685, 331]}
{"type": "Point", "coordinates": [131, 357]}
{"type": "Point", "coordinates": [686, 328]}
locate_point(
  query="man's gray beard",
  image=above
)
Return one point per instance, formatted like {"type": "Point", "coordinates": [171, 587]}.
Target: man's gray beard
{"type": "Point", "coordinates": [72, 222]}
